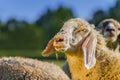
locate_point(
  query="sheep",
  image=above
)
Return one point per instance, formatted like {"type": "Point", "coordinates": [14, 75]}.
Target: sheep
{"type": "Point", "coordinates": [86, 51]}
{"type": "Point", "coordinates": [110, 29]}
{"type": "Point", "coordinates": [18, 68]}
{"type": "Point", "coordinates": [65, 66]}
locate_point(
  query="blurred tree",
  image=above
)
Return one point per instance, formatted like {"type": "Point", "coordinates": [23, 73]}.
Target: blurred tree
{"type": "Point", "coordinates": [0, 29]}
{"type": "Point", "coordinates": [98, 16]}
{"type": "Point", "coordinates": [20, 35]}
{"type": "Point", "coordinates": [0, 23]}
{"type": "Point", "coordinates": [3, 31]}
{"type": "Point", "coordinates": [51, 22]}
{"type": "Point", "coordinates": [27, 37]}
{"type": "Point", "coordinates": [11, 24]}
{"type": "Point", "coordinates": [23, 35]}
{"type": "Point", "coordinates": [113, 12]}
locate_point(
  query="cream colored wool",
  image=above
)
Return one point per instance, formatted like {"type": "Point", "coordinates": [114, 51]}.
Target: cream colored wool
{"type": "Point", "coordinates": [18, 68]}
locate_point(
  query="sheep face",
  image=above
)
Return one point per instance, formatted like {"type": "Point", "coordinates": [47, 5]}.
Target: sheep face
{"type": "Point", "coordinates": [69, 36]}
{"type": "Point", "coordinates": [110, 32]}
{"type": "Point", "coordinates": [73, 34]}
{"type": "Point", "coordinates": [110, 29]}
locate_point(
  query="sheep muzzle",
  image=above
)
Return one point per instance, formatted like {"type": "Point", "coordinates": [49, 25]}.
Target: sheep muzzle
{"type": "Point", "coordinates": [59, 43]}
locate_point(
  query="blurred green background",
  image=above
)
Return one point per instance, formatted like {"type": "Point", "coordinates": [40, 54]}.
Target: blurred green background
{"type": "Point", "coordinates": [28, 39]}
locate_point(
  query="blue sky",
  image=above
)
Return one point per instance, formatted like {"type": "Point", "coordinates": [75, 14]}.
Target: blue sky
{"type": "Point", "coordinates": [30, 10]}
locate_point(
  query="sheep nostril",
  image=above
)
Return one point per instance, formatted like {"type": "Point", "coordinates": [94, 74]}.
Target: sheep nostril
{"type": "Point", "coordinates": [60, 40]}
{"type": "Point", "coordinates": [113, 29]}
{"type": "Point", "coordinates": [110, 29]}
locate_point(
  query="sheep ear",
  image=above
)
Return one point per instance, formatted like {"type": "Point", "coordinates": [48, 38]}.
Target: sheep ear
{"type": "Point", "coordinates": [89, 47]}
{"type": "Point", "coordinates": [118, 30]}
{"type": "Point", "coordinates": [49, 49]}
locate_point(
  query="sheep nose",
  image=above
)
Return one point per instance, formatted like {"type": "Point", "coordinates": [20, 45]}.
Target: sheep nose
{"type": "Point", "coordinates": [59, 44]}
{"type": "Point", "coordinates": [61, 39]}
{"type": "Point", "coordinates": [110, 29]}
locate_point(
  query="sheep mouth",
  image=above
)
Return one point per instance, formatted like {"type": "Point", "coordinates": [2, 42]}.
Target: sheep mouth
{"type": "Point", "coordinates": [109, 35]}
{"type": "Point", "coordinates": [60, 46]}
{"type": "Point", "coordinates": [64, 45]}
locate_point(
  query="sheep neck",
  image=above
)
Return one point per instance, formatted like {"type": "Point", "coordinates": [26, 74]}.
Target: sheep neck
{"type": "Point", "coordinates": [103, 64]}
{"type": "Point", "coordinates": [104, 61]}
{"type": "Point", "coordinates": [76, 64]}
{"type": "Point", "coordinates": [79, 72]}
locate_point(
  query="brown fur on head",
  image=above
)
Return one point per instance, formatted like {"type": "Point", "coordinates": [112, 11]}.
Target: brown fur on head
{"type": "Point", "coordinates": [110, 29]}
{"type": "Point", "coordinates": [75, 34]}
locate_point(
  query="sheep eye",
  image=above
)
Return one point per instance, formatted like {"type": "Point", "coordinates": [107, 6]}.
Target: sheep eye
{"type": "Point", "coordinates": [118, 28]}
{"type": "Point", "coordinates": [78, 31]}
{"type": "Point", "coordinates": [84, 30]}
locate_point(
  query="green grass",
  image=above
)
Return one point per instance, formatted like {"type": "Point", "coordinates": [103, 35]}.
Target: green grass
{"type": "Point", "coordinates": [27, 53]}
{"type": "Point", "coordinates": [34, 54]}
{"type": "Point", "coordinates": [57, 62]}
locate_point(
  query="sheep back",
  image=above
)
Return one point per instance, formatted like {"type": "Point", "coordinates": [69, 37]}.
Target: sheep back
{"type": "Point", "coordinates": [17, 68]}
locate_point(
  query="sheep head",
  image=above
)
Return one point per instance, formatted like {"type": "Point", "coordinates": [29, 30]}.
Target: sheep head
{"type": "Point", "coordinates": [110, 29]}
{"type": "Point", "coordinates": [75, 34]}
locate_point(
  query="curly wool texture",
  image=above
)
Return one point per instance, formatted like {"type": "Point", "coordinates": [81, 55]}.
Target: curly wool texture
{"type": "Point", "coordinates": [17, 68]}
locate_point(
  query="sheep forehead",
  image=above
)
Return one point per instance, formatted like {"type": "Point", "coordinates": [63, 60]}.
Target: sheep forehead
{"type": "Point", "coordinates": [114, 22]}
{"type": "Point", "coordinates": [71, 24]}
{"type": "Point", "coordinates": [110, 25]}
